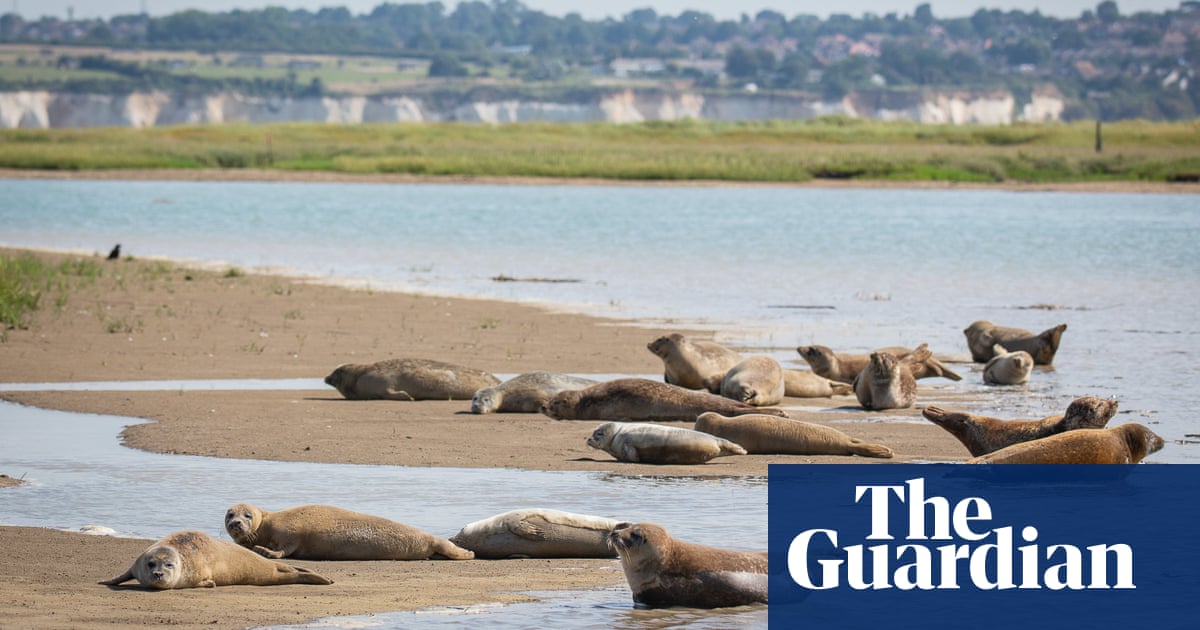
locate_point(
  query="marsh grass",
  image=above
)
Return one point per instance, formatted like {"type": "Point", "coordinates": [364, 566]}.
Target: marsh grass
{"type": "Point", "coordinates": [25, 280]}
{"type": "Point", "coordinates": [770, 151]}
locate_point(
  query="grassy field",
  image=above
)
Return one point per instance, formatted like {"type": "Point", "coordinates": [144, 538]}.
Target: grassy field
{"type": "Point", "coordinates": [781, 151]}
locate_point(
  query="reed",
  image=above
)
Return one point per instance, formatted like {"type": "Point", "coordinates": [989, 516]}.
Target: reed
{"type": "Point", "coordinates": [26, 280]}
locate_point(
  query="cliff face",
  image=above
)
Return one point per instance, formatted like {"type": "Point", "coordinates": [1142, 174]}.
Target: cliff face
{"type": "Point", "coordinates": [42, 110]}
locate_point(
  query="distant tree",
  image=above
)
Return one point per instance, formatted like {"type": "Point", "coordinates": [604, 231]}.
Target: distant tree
{"type": "Point", "coordinates": [741, 63]}
{"type": "Point", "coordinates": [924, 14]}
{"type": "Point", "coordinates": [444, 65]}
{"type": "Point", "coordinates": [1069, 38]}
{"type": "Point", "coordinates": [1107, 12]}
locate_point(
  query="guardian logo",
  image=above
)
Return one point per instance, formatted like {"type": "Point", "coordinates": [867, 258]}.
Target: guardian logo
{"type": "Point", "coordinates": [1003, 546]}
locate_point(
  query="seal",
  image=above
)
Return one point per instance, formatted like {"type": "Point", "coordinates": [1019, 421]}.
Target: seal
{"type": "Point", "coordinates": [525, 393]}
{"type": "Point", "coordinates": [689, 363]}
{"type": "Point", "coordinates": [644, 443]}
{"type": "Point", "coordinates": [769, 435]}
{"type": "Point", "coordinates": [643, 399]}
{"type": "Point", "coordinates": [1007, 368]}
{"type": "Point", "coordinates": [1125, 444]}
{"type": "Point", "coordinates": [325, 532]}
{"type": "Point", "coordinates": [538, 533]}
{"type": "Point", "coordinates": [982, 337]}
{"type": "Point", "coordinates": [888, 383]}
{"type": "Point", "coordinates": [663, 571]}
{"type": "Point", "coordinates": [845, 367]}
{"type": "Point", "coordinates": [756, 380]}
{"type": "Point", "coordinates": [408, 379]}
{"type": "Point", "coordinates": [189, 559]}
{"type": "Point", "coordinates": [804, 384]}
{"type": "Point", "coordinates": [982, 434]}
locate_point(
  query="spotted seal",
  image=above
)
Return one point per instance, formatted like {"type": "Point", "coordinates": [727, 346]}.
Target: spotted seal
{"type": "Point", "coordinates": [644, 443]}
{"type": "Point", "coordinates": [538, 533]}
{"type": "Point", "coordinates": [525, 393]}
{"type": "Point", "coordinates": [757, 380]}
{"type": "Point", "coordinates": [982, 337]}
{"type": "Point", "coordinates": [1125, 444]}
{"type": "Point", "coordinates": [1007, 368]}
{"type": "Point", "coordinates": [408, 379]}
{"type": "Point", "coordinates": [636, 399]}
{"type": "Point", "coordinates": [983, 434]}
{"type": "Point", "coordinates": [770, 435]}
{"type": "Point", "coordinates": [887, 382]}
{"type": "Point", "coordinates": [691, 363]}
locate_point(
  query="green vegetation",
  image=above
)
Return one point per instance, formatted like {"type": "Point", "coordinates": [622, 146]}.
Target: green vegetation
{"type": "Point", "coordinates": [776, 151]}
{"type": "Point", "coordinates": [24, 280]}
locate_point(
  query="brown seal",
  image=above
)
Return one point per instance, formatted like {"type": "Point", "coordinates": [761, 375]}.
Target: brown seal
{"type": "Point", "coordinates": [887, 382]}
{"type": "Point", "coordinates": [756, 380]}
{"type": "Point", "coordinates": [525, 393]}
{"type": "Point", "coordinates": [845, 367]}
{"type": "Point", "coordinates": [189, 559]}
{"type": "Point", "coordinates": [408, 379]}
{"type": "Point", "coordinates": [538, 533]}
{"type": "Point", "coordinates": [804, 384]}
{"type": "Point", "coordinates": [982, 434]}
{"type": "Point", "coordinates": [982, 337]}
{"type": "Point", "coordinates": [688, 363]}
{"type": "Point", "coordinates": [644, 443]}
{"type": "Point", "coordinates": [643, 399]}
{"type": "Point", "coordinates": [769, 435]}
{"type": "Point", "coordinates": [1126, 444]}
{"type": "Point", "coordinates": [663, 571]}
{"type": "Point", "coordinates": [1007, 368]}
{"type": "Point", "coordinates": [325, 532]}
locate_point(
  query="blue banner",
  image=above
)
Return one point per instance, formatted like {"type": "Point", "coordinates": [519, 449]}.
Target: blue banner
{"type": "Point", "coordinates": [999, 546]}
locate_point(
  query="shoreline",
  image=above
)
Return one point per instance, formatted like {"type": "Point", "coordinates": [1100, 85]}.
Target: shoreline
{"type": "Point", "coordinates": [267, 175]}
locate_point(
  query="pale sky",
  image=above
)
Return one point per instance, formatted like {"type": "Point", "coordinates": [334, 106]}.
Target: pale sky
{"type": "Point", "coordinates": [590, 9]}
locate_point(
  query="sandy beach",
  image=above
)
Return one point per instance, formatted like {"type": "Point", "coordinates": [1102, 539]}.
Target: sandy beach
{"type": "Point", "coordinates": [151, 320]}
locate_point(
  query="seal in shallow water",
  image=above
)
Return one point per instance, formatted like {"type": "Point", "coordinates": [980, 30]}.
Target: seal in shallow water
{"type": "Point", "coordinates": [325, 532]}
{"type": "Point", "coordinates": [189, 559]}
{"type": "Point", "coordinates": [1126, 444]}
{"type": "Point", "coordinates": [769, 435]}
{"type": "Point", "coordinates": [538, 533]}
{"type": "Point", "coordinates": [688, 363]}
{"type": "Point", "coordinates": [664, 571]}
{"type": "Point", "coordinates": [525, 393]}
{"type": "Point", "coordinates": [638, 442]}
{"type": "Point", "coordinates": [1007, 368]}
{"type": "Point", "coordinates": [408, 379]}
{"type": "Point", "coordinates": [756, 380]}
{"type": "Point", "coordinates": [982, 434]}
{"type": "Point", "coordinates": [982, 337]}
{"type": "Point", "coordinates": [643, 399]}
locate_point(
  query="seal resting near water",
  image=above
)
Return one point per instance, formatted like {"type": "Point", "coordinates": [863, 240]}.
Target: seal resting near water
{"type": "Point", "coordinates": [1007, 368]}
{"type": "Point", "coordinates": [887, 382]}
{"type": "Point", "coordinates": [803, 384]}
{"type": "Point", "coordinates": [845, 367]}
{"type": "Point", "coordinates": [189, 559]}
{"type": "Point", "coordinates": [643, 399]}
{"type": "Point", "coordinates": [538, 533]}
{"type": "Point", "coordinates": [689, 363]}
{"type": "Point", "coordinates": [525, 393]}
{"type": "Point", "coordinates": [642, 443]}
{"type": "Point", "coordinates": [982, 434]}
{"type": "Point", "coordinates": [325, 532]}
{"type": "Point", "coordinates": [408, 379]}
{"type": "Point", "coordinates": [756, 380]}
{"type": "Point", "coordinates": [1126, 444]}
{"type": "Point", "coordinates": [769, 435]}
{"type": "Point", "coordinates": [663, 571]}
{"type": "Point", "coordinates": [982, 337]}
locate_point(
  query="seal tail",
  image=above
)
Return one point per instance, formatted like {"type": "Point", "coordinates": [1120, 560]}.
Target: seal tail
{"type": "Point", "coordinates": [867, 449]}
{"type": "Point", "coordinates": [304, 576]}
{"type": "Point", "coordinates": [944, 371]}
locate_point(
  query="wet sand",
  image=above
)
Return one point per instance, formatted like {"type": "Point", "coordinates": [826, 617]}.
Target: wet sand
{"type": "Point", "coordinates": [148, 320]}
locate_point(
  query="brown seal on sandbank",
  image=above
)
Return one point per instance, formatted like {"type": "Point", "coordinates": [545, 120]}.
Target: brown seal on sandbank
{"type": "Point", "coordinates": [525, 393]}
{"type": "Point", "coordinates": [689, 363]}
{"type": "Point", "coordinates": [769, 435]}
{"type": "Point", "coordinates": [643, 399]}
{"type": "Point", "coordinates": [325, 532]}
{"type": "Point", "coordinates": [983, 434]}
{"type": "Point", "coordinates": [982, 337]}
{"type": "Point", "coordinates": [644, 443]}
{"type": "Point", "coordinates": [408, 379]}
{"type": "Point", "coordinates": [1126, 444]}
{"type": "Point", "coordinates": [804, 384]}
{"type": "Point", "coordinates": [756, 380]}
{"type": "Point", "coordinates": [190, 559]}
{"type": "Point", "coordinates": [845, 367]}
{"type": "Point", "coordinates": [664, 571]}
{"type": "Point", "coordinates": [538, 533]}
{"type": "Point", "coordinates": [887, 382]}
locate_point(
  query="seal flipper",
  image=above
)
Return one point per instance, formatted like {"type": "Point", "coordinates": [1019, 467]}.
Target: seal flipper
{"type": "Point", "coordinates": [393, 394]}
{"type": "Point", "coordinates": [525, 529]}
{"type": "Point", "coordinates": [124, 577]}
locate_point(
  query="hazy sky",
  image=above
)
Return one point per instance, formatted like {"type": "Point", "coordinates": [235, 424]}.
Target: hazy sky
{"type": "Point", "coordinates": [590, 9]}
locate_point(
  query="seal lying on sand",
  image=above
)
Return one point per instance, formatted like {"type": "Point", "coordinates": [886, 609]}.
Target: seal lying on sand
{"type": "Point", "coordinates": [325, 532]}
{"type": "Point", "coordinates": [189, 559]}
{"type": "Point", "coordinates": [981, 434]}
{"type": "Point", "coordinates": [525, 393]}
{"type": "Point", "coordinates": [1126, 444]}
{"type": "Point", "coordinates": [643, 443]}
{"type": "Point", "coordinates": [982, 337]}
{"type": "Point", "coordinates": [803, 384]}
{"type": "Point", "coordinates": [408, 379]}
{"type": "Point", "coordinates": [845, 367]}
{"type": "Point", "coordinates": [689, 363]}
{"type": "Point", "coordinates": [1007, 368]}
{"type": "Point", "coordinates": [756, 380]}
{"type": "Point", "coordinates": [769, 435]}
{"type": "Point", "coordinates": [663, 571]}
{"type": "Point", "coordinates": [643, 399]}
{"type": "Point", "coordinates": [538, 533]}
{"type": "Point", "coordinates": [887, 382]}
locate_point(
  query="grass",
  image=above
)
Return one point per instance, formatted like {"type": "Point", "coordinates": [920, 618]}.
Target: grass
{"type": "Point", "coordinates": [25, 280]}
{"type": "Point", "coordinates": [772, 151]}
